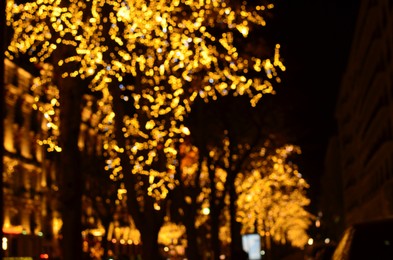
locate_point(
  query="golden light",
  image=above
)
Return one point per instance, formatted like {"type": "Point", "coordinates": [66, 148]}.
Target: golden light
{"type": "Point", "coordinates": [168, 59]}
{"type": "Point", "coordinates": [272, 198]}
{"type": "Point", "coordinates": [57, 223]}
{"type": "Point", "coordinates": [205, 211]}
{"type": "Point", "coordinates": [170, 233]}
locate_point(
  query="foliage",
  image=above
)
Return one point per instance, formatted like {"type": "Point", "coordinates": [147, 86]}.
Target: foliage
{"type": "Point", "coordinates": [146, 63]}
{"type": "Point", "coordinates": [273, 198]}
{"type": "Point", "coordinates": [163, 54]}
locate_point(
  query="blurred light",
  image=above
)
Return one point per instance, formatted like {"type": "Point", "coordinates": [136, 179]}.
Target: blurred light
{"type": "Point", "coordinates": [318, 223]}
{"type": "Point", "coordinates": [327, 240]}
{"type": "Point", "coordinates": [263, 252]}
{"type": "Point", "coordinates": [205, 211]}
{"type": "Point", "coordinates": [4, 243]}
{"type": "Point", "coordinates": [310, 241]}
{"type": "Point", "coordinates": [44, 256]}
{"type": "Point", "coordinates": [186, 131]}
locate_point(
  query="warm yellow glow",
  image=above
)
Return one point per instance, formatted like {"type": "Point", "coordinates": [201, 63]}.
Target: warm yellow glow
{"type": "Point", "coordinates": [98, 232]}
{"type": "Point", "coordinates": [170, 233]}
{"type": "Point", "coordinates": [167, 51]}
{"type": "Point", "coordinates": [318, 223]}
{"type": "Point", "coordinates": [9, 229]}
{"type": "Point", "coordinates": [273, 197]}
{"type": "Point", "coordinates": [127, 234]}
{"type": "Point", "coordinates": [57, 223]}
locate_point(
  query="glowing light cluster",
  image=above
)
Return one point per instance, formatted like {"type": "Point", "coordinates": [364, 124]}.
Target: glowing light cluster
{"type": "Point", "coordinates": [153, 39]}
{"type": "Point", "coordinates": [171, 233]}
{"type": "Point", "coordinates": [272, 193]}
{"type": "Point", "coordinates": [46, 101]}
{"type": "Point", "coordinates": [161, 54]}
{"type": "Point", "coordinates": [273, 197]}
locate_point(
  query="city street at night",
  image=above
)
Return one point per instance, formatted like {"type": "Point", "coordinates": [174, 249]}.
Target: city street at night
{"type": "Point", "coordinates": [198, 130]}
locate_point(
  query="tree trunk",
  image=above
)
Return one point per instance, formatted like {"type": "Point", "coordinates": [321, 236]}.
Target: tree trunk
{"type": "Point", "coordinates": [189, 209]}
{"type": "Point", "coordinates": [236, 240]}
{"type": "Point", "coordinates": [104, 242]}
{"type": "Point", "coordinates": [215, 240]}
{"type": "Point", "coordinates": [70, 175]}
{"type": "Point", "coordinates": [149, 236]}
{"type": "Point", "coordinates": [147, 220]}
{"type": "Point", "coordinates": [214, 217]}
{"type": "Point", "coordinates": [192, 251]}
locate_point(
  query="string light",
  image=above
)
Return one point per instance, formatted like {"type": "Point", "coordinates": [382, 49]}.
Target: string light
{"type": "Point", "coordinates": [164, 54]}
{"type": "Point", "coordinates": [274, 198]}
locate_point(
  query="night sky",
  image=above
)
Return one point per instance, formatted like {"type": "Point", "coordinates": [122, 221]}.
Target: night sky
{"type": "Point", "coordinates": [315, 38]}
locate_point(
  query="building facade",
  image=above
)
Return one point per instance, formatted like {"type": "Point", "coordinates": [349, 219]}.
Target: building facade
{"type": "Point", "coordinates": [364, 115]}
{"type": "Point", "coordinates": [31, 219]}
{"type": "Point", "coordinates": [31, 203]}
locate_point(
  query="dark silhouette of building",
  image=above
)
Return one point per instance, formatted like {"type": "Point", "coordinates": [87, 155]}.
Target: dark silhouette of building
{"type": "Point", "coordinates": [364, 115]}
{"type": "Point", "coordinates": [332, 212]}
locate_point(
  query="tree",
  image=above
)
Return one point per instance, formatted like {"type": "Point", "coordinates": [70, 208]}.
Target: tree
{"type": "Point", "coordinates": [149, 61]}
{"type": "Point", "coordinates": [162, 95]}
{"type": "Point", "coordinates": [261, 148]}
{"type": "Point", "coordinates": [272, 200]}
{"type": "Point", "coordinates": [227, 133]}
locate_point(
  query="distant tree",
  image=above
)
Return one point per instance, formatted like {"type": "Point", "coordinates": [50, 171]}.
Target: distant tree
{"type": "Point", "coordinates": [272, 198]}
{"type": "Point", "coordinates": [202, 196]}
{"type": "Point", "coordinates": [208, 160]}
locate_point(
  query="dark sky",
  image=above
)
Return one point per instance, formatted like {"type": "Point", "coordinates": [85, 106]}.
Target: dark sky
{"type": "Point", "coordinates": [315, 37]}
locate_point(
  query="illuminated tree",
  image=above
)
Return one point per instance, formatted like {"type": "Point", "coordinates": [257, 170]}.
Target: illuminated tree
{"type": "Point", "coordinates": [226, 133]}
{"type": "Point", "coordinates": [272, 196]}
{"type": "Point", "coordinates": [272, 200]}
{"type": "Point", "coordinates": [148, 61]}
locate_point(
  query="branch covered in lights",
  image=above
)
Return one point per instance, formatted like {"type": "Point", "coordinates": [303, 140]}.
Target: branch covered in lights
{"type": "Point", "coordinates": [273, 198]}
{"type": "Point", "coordinates": [160, 54]}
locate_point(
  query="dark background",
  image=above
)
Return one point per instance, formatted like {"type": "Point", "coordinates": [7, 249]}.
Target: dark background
{"type": "Point", "coordinates": [315, 38]}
